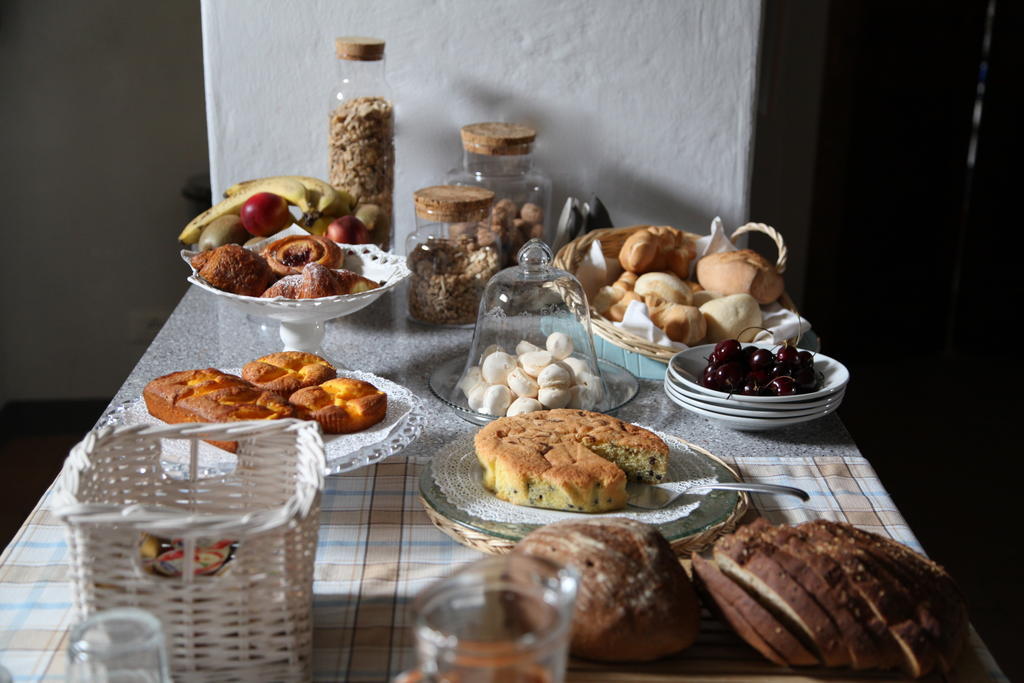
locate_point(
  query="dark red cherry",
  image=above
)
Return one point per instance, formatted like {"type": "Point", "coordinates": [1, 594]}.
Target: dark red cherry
{"type": "Point", "coordinates": [806, 379]}
{"type": "Point", "coordinates": [708, 379]}
{"type": "Point", "coordinates": [761, 359]}
{"type": "Point", "coordinates": [805, 359]}
{"type": "Point", "coordinates": [762, 377]}
{"type": "Point", "coordinates": [750, 388]}
{"type": "Point", "coordinates": [787, 355]}
{"type": "Point", "coordinates": [779, 370]}
{"type": "Point", "coordinates": [729, 376]}
{"type": "Point", "coordinates": [749, 351]}
{"type": "Point", "coordinates": [783, 386]}
{"type": "Point", "coordinates": [727, 350]}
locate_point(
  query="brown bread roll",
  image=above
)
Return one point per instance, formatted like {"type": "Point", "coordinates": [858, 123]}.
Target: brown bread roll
{"type": "Point", "coordinates": [635, 601]}
{"type": "Point", "coordinates": [740, 272]}
{"type": "Point", "coordinates": [668, 286]}
{"type": "Point", "coordinates": [736, 316]}
{"type": "Point", "coordinates": [617, 310]}
{"type": "Point", "coordinates": [680, 322]}
{"type": "Point", "coordinates": [658, 248]}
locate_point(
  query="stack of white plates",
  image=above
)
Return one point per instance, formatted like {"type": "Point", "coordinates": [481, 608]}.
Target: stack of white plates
{"type": "Point", "coordinates": [752, 413]}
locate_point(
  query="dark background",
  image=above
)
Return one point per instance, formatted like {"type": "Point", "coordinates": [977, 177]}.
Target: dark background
{"type": "Point", "coordinates": [890, 129]}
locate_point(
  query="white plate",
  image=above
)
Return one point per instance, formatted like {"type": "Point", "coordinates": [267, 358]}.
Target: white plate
{"type": "Point", "coordinates": [345, 452]}
{"type": "Point", "coordinates": [752, 424]}
{"type": "Point", "coordinates": [746, 411]}
{"type": "Point", "coordinates": [692, 362]}
{"type": "Point", "coordinates": [736, 400]}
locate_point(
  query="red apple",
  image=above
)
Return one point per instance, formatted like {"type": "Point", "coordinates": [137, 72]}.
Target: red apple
{"type": "Point", "coordinates": [265, 213]}
{"type": "Point", "coordinates": [348, 230]}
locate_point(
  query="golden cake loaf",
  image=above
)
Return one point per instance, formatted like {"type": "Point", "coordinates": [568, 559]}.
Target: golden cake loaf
{"type": "Point", "coordinates": [568, 459]}
{"type": "Point", "coordinates": [212, 396]}
{"type": "Point", "coordinates": [342, 405]}
{"type": "Point", "coordinates": [634, 601]}
{"type": "Point", "coordinates": [288, 371]}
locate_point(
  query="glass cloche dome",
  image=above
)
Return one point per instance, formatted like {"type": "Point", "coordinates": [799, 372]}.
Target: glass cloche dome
{"type": "Point", "coordinates": [532, 348]}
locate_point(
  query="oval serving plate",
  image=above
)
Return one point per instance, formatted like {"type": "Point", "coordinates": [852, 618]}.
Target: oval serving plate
{"type": "Point", "coordinates": [717, 512]}
{"type": "Point", "coordinates": [344, 452]}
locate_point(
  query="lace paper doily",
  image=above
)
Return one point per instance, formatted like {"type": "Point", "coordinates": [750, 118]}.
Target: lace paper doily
{"type": "Point", "coordinates": [213, 460]}
{"type": "Point", "coordinates": [460, 477]}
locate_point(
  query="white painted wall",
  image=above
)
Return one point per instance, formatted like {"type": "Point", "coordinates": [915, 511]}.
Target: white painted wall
{"type": "Point", "coordinates": [649, 104]}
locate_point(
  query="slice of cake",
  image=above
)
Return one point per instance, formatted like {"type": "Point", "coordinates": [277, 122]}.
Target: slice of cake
{"type": "Point", "coordinates": [573, 460]}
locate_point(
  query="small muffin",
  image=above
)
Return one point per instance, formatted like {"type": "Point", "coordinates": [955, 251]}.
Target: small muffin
{"type": "Point", "coordinates": [288, 371]}
{"type": "Point", "coordinates": [234, 269]}
{"type": "Point", "coordinates": [342, 405]}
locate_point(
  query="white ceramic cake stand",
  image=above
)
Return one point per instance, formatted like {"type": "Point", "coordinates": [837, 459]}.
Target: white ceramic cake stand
{"type": "Point", "coordinates": [302, 320]}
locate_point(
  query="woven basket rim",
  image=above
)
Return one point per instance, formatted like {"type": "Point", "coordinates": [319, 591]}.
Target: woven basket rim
{"type": "Point", "coordinates": [572, 253]}
{"type": "Point", "coordinates": [309, 481]}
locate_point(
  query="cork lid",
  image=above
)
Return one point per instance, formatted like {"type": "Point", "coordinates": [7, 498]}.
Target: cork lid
{"type": "Point", "coordinates": [497, 138]}
{"type": "Point", "coordinates": [453, 203]}
{"type": "Point", "coordinates": [359, 48]}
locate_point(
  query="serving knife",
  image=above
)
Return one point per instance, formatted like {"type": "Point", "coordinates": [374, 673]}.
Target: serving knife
{"type": "Point", "coordinates": [653, 497]}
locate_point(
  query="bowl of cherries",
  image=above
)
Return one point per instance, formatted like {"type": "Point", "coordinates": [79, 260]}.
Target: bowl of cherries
{"type": "Point", "coordinates": [756, 381]}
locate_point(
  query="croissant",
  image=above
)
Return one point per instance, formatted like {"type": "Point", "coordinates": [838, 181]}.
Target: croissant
{"type": "Point", "coordinates": [658, 248]}
{"type": "Point", "coordinates": [316, 281]}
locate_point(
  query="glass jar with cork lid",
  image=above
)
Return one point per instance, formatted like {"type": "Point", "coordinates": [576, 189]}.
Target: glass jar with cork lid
{"type": "Point", "coordinates": [499, 157]}
{"type": "Point", "coordinates": [361, 148]}
{"type": "Point", "coordinates": [450, 255]}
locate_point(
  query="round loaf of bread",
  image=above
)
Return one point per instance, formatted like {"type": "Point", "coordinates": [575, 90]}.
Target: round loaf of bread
{"type": "Point", "coordinates": [736, 316]}
{"type": "Point", "coordinates": [740, 272]}
{"type": "Point", "coordinates": [635, 602]}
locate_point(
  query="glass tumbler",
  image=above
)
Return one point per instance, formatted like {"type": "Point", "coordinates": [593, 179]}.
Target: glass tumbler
{"type": "Point", "coordinates": [118, 646]}
{"type": "Point", "coordinates": [500, 620]}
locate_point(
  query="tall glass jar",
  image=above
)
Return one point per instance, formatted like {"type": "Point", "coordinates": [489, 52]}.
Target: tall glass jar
{"type": "Point", "coordinates": [450, 254]}
{"type": "Point", "coordinates": [499, 157]}
{"type": "Point", "coordinates": [361, 135]}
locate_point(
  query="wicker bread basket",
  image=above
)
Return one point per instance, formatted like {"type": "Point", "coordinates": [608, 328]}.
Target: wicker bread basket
{"type": "Point", "coordinates": [612, 239]}
{"type": "Point", "coordinates": [251, 621]}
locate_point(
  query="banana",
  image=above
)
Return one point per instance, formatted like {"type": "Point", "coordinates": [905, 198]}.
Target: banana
{"type": "Point", "coordinates": [291, 190]}
{"type": "Point", "coordinates": [324, 197]}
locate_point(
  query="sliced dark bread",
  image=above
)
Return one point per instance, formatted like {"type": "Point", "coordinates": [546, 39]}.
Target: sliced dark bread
{"type": "Point", "coordinates": [752, 622]}
{"type": "Point", "coordinates": [942, 608]}
{"type": "Point", "coordinates": [866, 637]}
{"type": "Point", "coordinates": [755, 569]}
{"type": "Point", "coordinates": [884, 593]}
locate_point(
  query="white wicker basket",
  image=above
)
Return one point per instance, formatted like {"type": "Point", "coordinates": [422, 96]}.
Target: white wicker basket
{"type": "Point", "coordinates": [252, 621]}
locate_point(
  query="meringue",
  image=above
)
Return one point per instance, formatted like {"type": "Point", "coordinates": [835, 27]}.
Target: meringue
{"type": "Point", "coordinates": [496, 400]}
{"type": "Point", "coordinates": [559, 345]}
{"type": "Point", "coordinates": [522, 405]}
{"type": "Point", "coordinates": [554, 397]}
{"type": "Point", "coordinates": [496, 367]}
{"type": "Point", "coordinates": [521, 384]}
{"type": "Point", "coordinates": [526, 347]}
{"type": "Point", "coordinates": [470, 380]}
{"type": "Point", "coordinates": [534, 361]}
{"type": "Point", "coordinates": [555, 375]}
